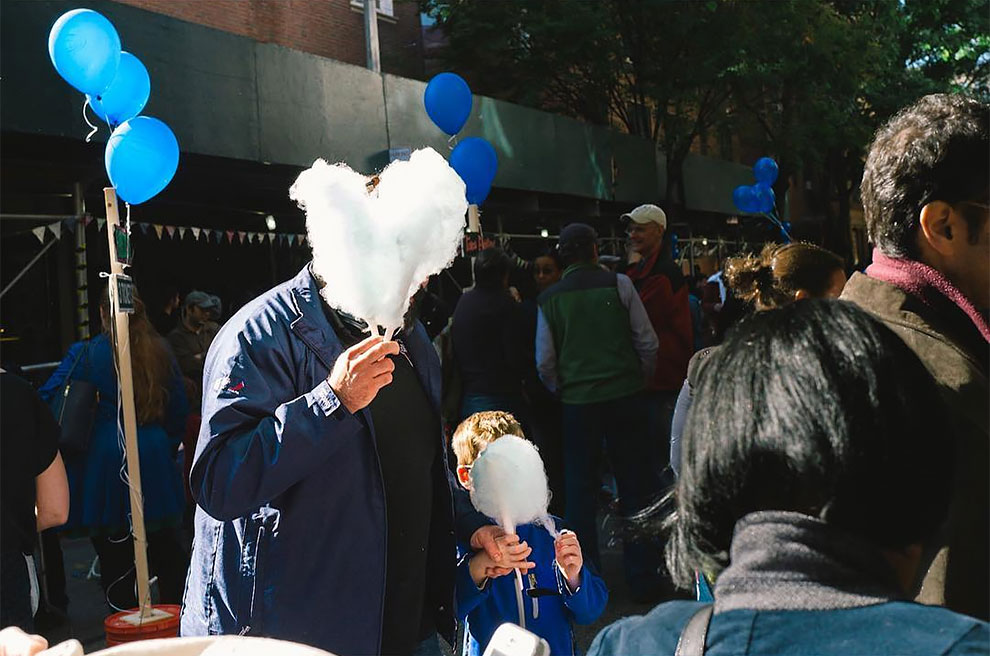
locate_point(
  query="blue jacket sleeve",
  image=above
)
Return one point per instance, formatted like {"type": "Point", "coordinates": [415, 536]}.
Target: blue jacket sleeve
{"type": "Point", "coordinates": [466, 594]}
{"type": "Point", "coordinates": [259, 436]}
{"type": "Point", "coordinates": [588, 601]}
{"type": "Point", "coordinates": [57, 379]}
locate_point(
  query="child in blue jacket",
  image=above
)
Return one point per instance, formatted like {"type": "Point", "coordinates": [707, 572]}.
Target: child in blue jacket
{"type": "Point", "coordinates": [557, 588]}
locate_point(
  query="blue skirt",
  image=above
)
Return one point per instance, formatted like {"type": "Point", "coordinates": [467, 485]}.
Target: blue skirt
{"type": "Point", "coordinates": [99, 498]}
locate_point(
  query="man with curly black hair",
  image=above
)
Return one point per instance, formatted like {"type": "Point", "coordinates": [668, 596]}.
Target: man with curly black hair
{"type": "Point", "coordinates": [926, 197]}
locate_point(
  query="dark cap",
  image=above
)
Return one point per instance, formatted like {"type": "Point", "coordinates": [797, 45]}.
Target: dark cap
{"type": "Point", "coordinates": [576, 234]}
{"type": "Point", "coordinates": [203, 300]}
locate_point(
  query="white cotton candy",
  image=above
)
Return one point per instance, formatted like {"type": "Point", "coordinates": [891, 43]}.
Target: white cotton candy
{"type": "Point", "coordinates": [509, 485]}
{"type": "Point", "coordinates": [375, 250]}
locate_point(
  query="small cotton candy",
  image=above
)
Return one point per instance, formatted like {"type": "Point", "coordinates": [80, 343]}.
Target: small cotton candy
{"type": "Point", "coordinates": [375, 250]}
{"type": "Point", "coordinates": [509, 483]}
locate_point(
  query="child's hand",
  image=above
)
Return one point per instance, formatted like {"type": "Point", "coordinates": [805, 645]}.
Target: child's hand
{"type": "Point", "coordinates": [569, 558]}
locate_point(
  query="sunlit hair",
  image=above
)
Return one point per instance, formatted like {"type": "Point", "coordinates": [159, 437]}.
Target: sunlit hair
{"type": "Point", "coordinates": [479, 430]}
{"type": "Point", "coordinates": [151, 366]}
{"type": "Point", "coordinates": [772, 278]}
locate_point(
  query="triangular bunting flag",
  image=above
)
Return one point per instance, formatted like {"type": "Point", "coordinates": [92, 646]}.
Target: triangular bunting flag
{"type": "Point", "coordinates": [56, 229]}
{"type": "Point", "coordinates": [86, 220]}
{"type": "Point", "coordinates": [182, 232]}
{"type": "Point", "coordinates": [292, 239]}
{"type": "Point", "coordinates": [230, 236]}
{"type": "Point", "coordinates": [240, 236]}
{"type": "Point", "coordinates": [100, 221]}
{"type": "Point", "coordinates": [218, 235]}
{"type": "Point", "coordinates": [301, 239]}
{"type": "Point", "coordinates": [158, 230]}
{"type": "Point", "coordinates": [271, 237]}
{"type": "Point", "coordinates": [144, 227]}
{"type": "Point", "coordinates": [70, 225]}
{"type": "Point", "coordinates": [170, 230]}
{"type": "Point", "coordinates": [195, 232]}
{"type": "Point", "coordinates": [252, 236]}
{"type": "Point", "coordinates": [39, 233]}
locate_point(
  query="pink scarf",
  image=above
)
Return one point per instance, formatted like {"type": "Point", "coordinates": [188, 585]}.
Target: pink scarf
{"type": "Point", "coordinates": [924, 283]}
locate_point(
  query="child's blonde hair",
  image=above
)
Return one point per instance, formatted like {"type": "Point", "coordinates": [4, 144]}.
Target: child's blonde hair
{"type": "Point", "coordinates": [479, 430]}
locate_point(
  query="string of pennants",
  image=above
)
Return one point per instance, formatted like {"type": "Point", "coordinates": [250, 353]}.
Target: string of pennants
{"type": "Point", "coordinates": [159, 231]}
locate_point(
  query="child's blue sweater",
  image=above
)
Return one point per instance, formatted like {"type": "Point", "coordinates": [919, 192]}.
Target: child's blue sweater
{"type": "Point", "coordinates": [556, 606]}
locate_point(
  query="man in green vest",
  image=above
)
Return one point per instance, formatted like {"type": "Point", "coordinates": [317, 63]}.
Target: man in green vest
{"type": "Point", "coordinates": [596, 349]}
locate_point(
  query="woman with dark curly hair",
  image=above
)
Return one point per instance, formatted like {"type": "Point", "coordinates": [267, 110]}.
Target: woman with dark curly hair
{"type": "Point", "coordinates": [779, 275]}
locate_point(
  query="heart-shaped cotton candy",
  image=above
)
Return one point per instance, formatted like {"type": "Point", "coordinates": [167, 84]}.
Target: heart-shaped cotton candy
{"type": "Point", "coordinates": [509, 485]}
{"type": "Point", "coordinates": [374, 250]}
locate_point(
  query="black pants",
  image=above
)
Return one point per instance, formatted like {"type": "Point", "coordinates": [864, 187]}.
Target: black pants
{"type": "Point", "coordinates": [15, 591]}
{"type": "Point", "coordinates": [167, 559]}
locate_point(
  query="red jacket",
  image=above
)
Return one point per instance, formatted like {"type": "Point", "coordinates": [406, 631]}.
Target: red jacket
{"type": "Point", "coordinates": [664, 292]}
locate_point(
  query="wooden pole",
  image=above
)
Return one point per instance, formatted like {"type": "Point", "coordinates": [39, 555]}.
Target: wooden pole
{"type": "Point", "coordinates": [126, 382]}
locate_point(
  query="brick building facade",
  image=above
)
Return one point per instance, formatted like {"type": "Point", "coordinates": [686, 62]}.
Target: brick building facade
{"type": "Point", "coordinates": [328, 28]}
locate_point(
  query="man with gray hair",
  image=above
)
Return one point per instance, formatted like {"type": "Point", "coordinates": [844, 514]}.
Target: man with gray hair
{"type": "Point", "coordinates": [664, 292]}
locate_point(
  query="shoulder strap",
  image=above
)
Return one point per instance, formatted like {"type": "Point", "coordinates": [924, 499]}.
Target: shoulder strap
{"type": "Point", "coordinates": [692, 640]}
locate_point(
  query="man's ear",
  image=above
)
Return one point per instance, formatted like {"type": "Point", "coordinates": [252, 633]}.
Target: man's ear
{"type": "Point", "coordinates": [940, 227]}
{"type": "Point", "coordinates": [464, 476]}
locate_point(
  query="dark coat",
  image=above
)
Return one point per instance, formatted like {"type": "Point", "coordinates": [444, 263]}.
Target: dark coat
{"type": "Point", "coordinates": [291, 525]}
{"type": "Point", "coordinates": [957, 356]}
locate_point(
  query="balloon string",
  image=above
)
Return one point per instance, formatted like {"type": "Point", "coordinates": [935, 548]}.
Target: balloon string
{"type": "Point", "coordinates": [451, 142]}
{"type": "Point", "coordinates": [86, 118]}
{"type": "Point", "coordinates": [128, 214]}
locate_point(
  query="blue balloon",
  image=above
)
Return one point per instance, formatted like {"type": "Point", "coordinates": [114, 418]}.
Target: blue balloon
{"type": "Point", "coordinates": [141, 157]}
{"type": "Point", "coordinates": [765, 198]}
{"type": "Point", "coordinates": [127, 94]}
{"type": "Point", "coordinates": [85, 49]}
{"type": "Point", "coordinates": [744, 198]}
{"type": "Point", "coordinates": [448, 102]}
{"type": "Point", "coordinates": [765, 171]}
{"type": "Point", "coordinates": [475, 161]}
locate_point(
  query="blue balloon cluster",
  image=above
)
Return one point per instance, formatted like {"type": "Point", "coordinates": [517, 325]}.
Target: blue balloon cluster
{"type": "Point", "coordinates": [758, 198]}
{"type": "Point", "coordinates": [142, 153]}
{"type": "Point", "coordinates": [448, 103]}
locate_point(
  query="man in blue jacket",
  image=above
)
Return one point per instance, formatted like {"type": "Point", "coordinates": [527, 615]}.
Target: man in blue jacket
{"type": "Point", "coordinates": [325, 510]}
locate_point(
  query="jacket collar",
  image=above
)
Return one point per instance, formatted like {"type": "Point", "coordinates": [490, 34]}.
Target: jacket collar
{"type": "Point", "coordinates": [788, 561]}
{"type": "Point", "coordinates": [310, 325]}
{"type": "Point", "coordinates": [943, 322]}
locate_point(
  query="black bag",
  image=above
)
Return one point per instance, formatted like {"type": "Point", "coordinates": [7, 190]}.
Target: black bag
{"type": "Point", "coordinates": [74, 408]}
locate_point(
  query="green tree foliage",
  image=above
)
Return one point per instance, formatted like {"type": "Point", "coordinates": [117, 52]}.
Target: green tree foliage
{"type": "Point", "coordinates": [809, 80]}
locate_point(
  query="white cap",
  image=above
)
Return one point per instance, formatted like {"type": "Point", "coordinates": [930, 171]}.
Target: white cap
{"type": "Point", "coordinates": [647, 213]}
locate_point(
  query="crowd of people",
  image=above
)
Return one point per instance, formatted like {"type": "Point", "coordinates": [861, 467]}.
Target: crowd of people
{"type": "Point", "coordinates": [823, 468]}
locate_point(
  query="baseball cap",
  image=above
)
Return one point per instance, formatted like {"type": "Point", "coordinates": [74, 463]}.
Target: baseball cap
{"type": "Point", "coordinates": [647, 213]}
{"type": "Point", "coordinates": [576, 234]}
{"type": "Point", "coordinates": [203, 300]}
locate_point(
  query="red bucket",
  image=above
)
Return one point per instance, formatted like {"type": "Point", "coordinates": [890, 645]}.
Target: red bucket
{"type": "Point", "coordinates": [120, 631]}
